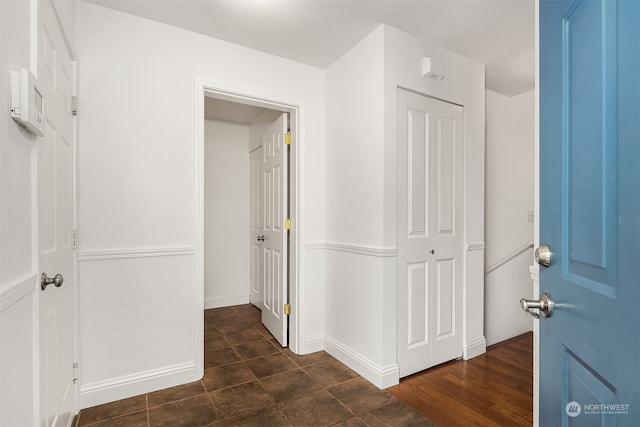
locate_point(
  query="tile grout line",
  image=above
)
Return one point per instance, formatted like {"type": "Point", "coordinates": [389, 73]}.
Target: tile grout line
{"type": "Point", "coordinates": [146, 399]}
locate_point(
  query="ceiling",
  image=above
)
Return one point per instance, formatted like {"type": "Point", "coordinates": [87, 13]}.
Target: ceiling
{"type": "Point", "coordinates": [227, 111]}
{"type": "Point", "coordinates": [498, 33]}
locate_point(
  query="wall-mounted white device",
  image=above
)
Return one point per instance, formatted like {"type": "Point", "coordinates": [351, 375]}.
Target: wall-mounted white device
{"type": "Point", "coordinates": [27, 103]}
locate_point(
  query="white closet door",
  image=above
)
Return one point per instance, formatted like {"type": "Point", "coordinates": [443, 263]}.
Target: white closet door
{"type": "Point", "coordinates": [429, 234]}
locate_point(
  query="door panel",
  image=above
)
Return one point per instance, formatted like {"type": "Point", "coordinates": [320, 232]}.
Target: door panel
{"type": "Point", "coordinates": [416, 307]}
{"type": "Point", "coordinates": [590, 211]}
{"type": "Point", "coordinates": [275, 244]}
{"type": "Point", "coordinates": [256, 273]}
{"type": "Point", "coordinates": [56, 168]}
{"type": "Point", "coordinates": [430, 161]}
{"type": "Point", "coordinates": [445, 175]}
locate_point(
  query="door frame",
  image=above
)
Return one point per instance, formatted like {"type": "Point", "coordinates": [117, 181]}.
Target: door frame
{"type": "Point", "coordinates": [534, 269]}
{"type": "Point", "coordinates": [208, 88]}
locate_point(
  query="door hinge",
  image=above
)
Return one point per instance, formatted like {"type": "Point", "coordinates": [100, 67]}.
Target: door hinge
{"type": "Point", "coordinates": [287, 309]}
{"type": "Point", "coordinates": [75, 239]}
{"type": "Point", "coordinates": [287, 224]}
{"type": "Point", "coordinates": [74, 105]}
{"type": "Point", "coordinates": [287, 138]}
{"type": "Point", "coordinates": [75, 373]}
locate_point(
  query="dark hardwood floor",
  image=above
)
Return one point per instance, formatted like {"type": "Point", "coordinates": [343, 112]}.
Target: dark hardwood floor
{"type": "Point", "coordinates": [494, 389]}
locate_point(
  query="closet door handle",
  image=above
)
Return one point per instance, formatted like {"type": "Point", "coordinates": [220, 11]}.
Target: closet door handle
{"type": "Point", "coordinates": [261, 238]}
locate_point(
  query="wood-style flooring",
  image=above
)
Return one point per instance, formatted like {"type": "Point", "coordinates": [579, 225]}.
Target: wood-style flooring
{"type": "Point", "coordinates": [494, 389]}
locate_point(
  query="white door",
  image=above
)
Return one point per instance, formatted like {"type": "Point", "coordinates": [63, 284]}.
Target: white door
{"type": "Point", "coordinates": [256, 230]}
{"type": "Point", "coordinates": [55, 76]}
{"type": "Point", "coordinates": [275, 245]}
{"type": "Point", "coordinates": [429, 234]}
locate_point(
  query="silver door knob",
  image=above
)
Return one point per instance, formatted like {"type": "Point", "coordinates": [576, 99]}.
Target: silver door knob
{"type": "Point", "coordinates": [544, 306]}
{"type": "Point", "coordinates": [261, 238]}
{"type": "Point", "coordinates": [543, 255]}
{"type": "Point", "coordinates": [56, 280]}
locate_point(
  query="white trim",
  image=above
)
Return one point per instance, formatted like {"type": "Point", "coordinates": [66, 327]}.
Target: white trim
{"type": "Point", "coordinates": [380, 376]}
{"type": "Point", "coordinates": [313, 344]}
{"type": "Point", "coordinates": [474, 246]}
{"type": "Point", "coordinates": [15, 291]}
{"type": "Point", "coordinates": [354, 249]}
{"type": "Point", "coordinates": [315, 246]}
{"type": "Point", "coordinates": [534, 270]}
{"type": "Point", "coordinates": [474, 348]}
{"type": "Point", "coordinates": [225, 301]}
{"type": "Point", "coordinates": [205, 86]}
{"type": "Point", "coordinates": [133, 385]}
{"type": "Point", "coordinates": [135, 253]}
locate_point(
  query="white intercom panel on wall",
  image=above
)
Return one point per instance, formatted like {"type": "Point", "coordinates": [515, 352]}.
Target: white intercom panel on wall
{"type": "Point", "coordinates": [27, 103]}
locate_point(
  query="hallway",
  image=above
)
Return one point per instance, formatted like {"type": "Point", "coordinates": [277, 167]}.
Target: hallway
{"type": "Point", "coordinates": [249, 381]}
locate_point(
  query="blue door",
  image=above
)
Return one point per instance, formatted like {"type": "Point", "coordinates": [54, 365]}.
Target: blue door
{"type": "Point", "coordinates": [590, 211]}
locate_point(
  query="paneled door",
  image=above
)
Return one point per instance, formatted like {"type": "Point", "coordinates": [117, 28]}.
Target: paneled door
{"type": "Point", "coordinates": [56, 216]}
{"type": "Point", "coordinates": [256, 233]}
{"type": "Point", "coordinates": [275, 241]}
{"type": "Point", "coordinates": [429, 233]}
{"type": "Point", "coordinates": [590, 212]}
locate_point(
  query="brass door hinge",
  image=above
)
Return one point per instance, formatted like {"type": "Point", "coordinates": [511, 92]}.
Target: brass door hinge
{"type": "Point", "coordinates": [287, 224]}
{"type": "Point", "coordinates": [287, 309]}
{"type": "Point", "coordinates": [287, 138]}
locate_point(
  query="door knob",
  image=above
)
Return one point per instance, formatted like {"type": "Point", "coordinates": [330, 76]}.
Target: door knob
{"type": "Point", "coordinates": [543, 255]}
{"type": "Point", "coordinates": [544, 306]}
{"type": "Point", "coordinates": [56, 280]}
{"type": "Point", "coordinates": [261, 238]}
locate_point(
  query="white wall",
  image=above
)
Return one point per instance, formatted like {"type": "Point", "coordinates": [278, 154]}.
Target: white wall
{"type": "Point", "coordinates": [354, 223]}
{"type": "Point", "coordinates": [360, 206]}
{"type": "Point", "coordinates": [138, 194]}
{"type": "Point", "coordinates": [509, 198]}
{"type": "Point", "coordinates": [226, 214]}
{"type": "Point", "coordinates": [463, 84]}
{"type": "Point", "coordinates": [18, 269]}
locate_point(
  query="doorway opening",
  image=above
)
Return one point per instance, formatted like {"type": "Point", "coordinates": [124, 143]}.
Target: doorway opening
{"type": "Point", "coordinates": [234, 237]}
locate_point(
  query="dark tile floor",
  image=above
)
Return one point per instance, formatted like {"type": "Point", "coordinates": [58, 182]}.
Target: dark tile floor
{"type": "Point", "coordinates": [250, 380]}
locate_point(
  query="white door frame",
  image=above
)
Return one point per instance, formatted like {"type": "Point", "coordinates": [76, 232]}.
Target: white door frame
{"type": "Point", "coordinates": [208, 88]}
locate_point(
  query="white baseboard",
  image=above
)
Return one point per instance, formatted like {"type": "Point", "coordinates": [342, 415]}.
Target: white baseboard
{"type": "Point", "coordinates": [313, 344]}
{"type": "Point", "coordinates": [380, 376]}
{"type": "Point", "coordinates": [134, 385]}
{"type": "Point", "coordinates": [226, 301]}
{"type": "Point", "coordinates": [474, 348]}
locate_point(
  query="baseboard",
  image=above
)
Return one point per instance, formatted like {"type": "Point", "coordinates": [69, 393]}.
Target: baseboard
{"type": "Point", "coordinates": [137, 384]}
{"type": "Point", "coordinates": [313, 344]}
{"type": "Point", "coordinates": [474, 348]}
{"type": "Point", "coordinates": [380, 376]}
{"type": "Point", "coordinates": [226, 301]}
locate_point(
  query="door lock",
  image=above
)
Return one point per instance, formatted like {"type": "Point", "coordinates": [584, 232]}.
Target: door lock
{"type": "Point", "coordinates": [543, 255]}
{"type": "Point", "coordinates": [544, 306]}
{"type": "Point", "coordinates": [56, 280]}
